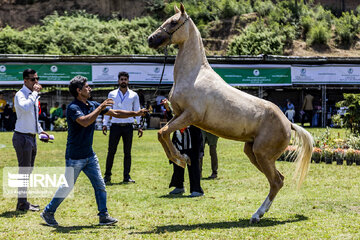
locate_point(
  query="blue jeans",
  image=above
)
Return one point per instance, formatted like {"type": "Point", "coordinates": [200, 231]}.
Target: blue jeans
{"type": "Point", "coordinates": [90, 166]}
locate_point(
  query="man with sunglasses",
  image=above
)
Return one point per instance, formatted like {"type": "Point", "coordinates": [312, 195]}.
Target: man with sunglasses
{"type": "Point", "coordinates": [27, 125]}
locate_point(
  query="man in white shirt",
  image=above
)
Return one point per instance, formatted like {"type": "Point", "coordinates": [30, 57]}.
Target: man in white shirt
{"type": "Point", "coordinates": [26, 127]}
{"type": "Point", "coordinates": [124, 99]}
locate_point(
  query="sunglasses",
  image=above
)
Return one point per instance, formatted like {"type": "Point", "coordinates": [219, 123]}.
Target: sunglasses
{"type": "Point", "coordinates": [33, 79]}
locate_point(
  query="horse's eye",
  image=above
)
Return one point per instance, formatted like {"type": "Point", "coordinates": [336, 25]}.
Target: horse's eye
{"type": "Point", "coordinates": [173, 23]}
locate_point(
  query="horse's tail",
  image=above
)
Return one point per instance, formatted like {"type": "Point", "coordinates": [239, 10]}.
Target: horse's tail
{"type": "Point", "coordinates": [304, 142]}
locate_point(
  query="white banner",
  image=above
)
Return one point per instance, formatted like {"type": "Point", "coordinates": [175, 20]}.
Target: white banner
{"type": "Point", "coordinates": [139, 73]}
{"type": "Point", "coordinates": [328, 74]}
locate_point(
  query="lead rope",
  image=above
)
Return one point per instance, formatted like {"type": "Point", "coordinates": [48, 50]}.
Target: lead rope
{"type": "Point", "coordinates": [162, 74]}
{"type": "Point", "coordinates": [143, 118]}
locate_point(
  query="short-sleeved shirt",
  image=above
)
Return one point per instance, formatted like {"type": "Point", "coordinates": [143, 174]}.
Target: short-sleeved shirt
{"type": "Point", "coordinates": [80, 139]}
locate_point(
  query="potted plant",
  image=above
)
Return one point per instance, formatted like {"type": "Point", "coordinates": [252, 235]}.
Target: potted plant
{"type": "Point", "coordinates": [339, 154]}
{"type": "Point", "coordinates": [357, 157]}
{"type": "Point", "coordinates": [328, 155]}
{"type": "Point", "coordinates": [316, 155]}
{"type": "Point", "coordinates": [349, 156]}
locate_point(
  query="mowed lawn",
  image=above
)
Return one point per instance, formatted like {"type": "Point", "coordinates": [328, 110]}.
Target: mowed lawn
{"type": "Point", "coordinates": [326, 207]}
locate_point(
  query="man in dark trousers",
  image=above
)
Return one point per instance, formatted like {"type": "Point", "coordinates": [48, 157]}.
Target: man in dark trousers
{"type": "Point", "coordinates": [124, 99]}
{"type": "Point", "coordinates": [188, 141]}
{"type": "Point", "coordinates": [27, 125]}
{"type": "Point", "coordinates": [81, 116]}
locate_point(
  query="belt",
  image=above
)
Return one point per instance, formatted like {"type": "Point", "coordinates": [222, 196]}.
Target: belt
{"type": "Point", "coordinates": [28, 134]}
{"type": "Point", "coordinates": [122, 124]}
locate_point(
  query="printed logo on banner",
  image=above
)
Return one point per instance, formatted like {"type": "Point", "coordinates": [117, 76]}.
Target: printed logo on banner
{"type": "Point", "coordinates": [350, 71]}
{"type": "Point", "coordinates": [157, 70]}
{"type": "Point", "coordinates": [2, 68]}
{"type": "Point", "coordinates": [105, 70]}
{"type": "Point", "coordinates": [256, 72]}
{"type": "Point", "coordinates": [303, 72]}
{"type": "Point", "coordinates": [53, 68]}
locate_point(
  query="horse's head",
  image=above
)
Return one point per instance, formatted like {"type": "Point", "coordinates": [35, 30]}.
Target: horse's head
{"type": "Point", "coordinates": [173, 30]}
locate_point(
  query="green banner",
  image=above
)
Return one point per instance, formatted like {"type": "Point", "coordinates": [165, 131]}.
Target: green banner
{"type": "Point", "coordinates": [255, 76]}
{"type": "Point", "coordinates": [48, 73]}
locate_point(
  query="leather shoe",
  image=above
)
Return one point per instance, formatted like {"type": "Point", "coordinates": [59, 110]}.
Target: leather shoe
{"type": "Point", "coordinates": [107, 180]}
{"type": "Point", "coordinates": [27, 206]}
{"type": "Point", "coordinates": [129, 180]}
{"type": "Point", "coordinates": [212, 176]}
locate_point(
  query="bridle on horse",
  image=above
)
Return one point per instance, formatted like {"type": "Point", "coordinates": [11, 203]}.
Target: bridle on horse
{"type": "Point", "coordinates": [165, 50]}
{"type": "Point", "coordinates": [171, 34]}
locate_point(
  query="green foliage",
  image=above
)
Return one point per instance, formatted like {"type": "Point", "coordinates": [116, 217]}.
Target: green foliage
{"type": "Point", "coordinates": [319, 34]}
{"type": "Point", "coordinates": [258, 38]}
{"type": "Point", "coordinates": [81, 33]}
{"type": "Point", "coordinates": [283, 21]}
{"type": "Point", "coordinates": [263, 8]}
{"type": "Point", "coordinates": [346, 29]}
{"type": "Point", "coordinates": [351, 118]}
{"type": "Point", "coordinates": [60, 124]}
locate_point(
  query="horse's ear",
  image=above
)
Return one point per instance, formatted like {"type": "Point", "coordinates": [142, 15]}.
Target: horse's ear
{"type": "Point", "coordinates": [182, 8]}
{"type": "Point", "coordinates": [176, 9]}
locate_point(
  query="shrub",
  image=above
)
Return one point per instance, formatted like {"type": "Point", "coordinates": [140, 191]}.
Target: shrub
{"type": "Point", "coordinates": [351, 118]}
{"type": "Point", "coordinates": [263, 8]}
{"type": "Point", "coordinates": [257, 39]}
{"type": "Point", "coordinates": [346, 29]}
{"type": "Point", "coordinates": [319, 34]}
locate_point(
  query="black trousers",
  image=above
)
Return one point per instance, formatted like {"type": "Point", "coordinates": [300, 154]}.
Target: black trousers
{"type": "Point", "coordinates": [26, 148]}
{"type": "Point", "coordinates": [116, 132]}
{"type": "Point", "coordinates": [309, 116]}
{"type": "Point", "coordinates": [177, 179]}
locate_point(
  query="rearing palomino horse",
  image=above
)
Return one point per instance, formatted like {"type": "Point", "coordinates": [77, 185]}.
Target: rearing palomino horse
{"type": "Point", "coordinates": [202, 98]}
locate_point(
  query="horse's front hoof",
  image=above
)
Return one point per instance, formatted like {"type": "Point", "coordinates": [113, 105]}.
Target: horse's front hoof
{"type": "Point", "coordinates": [178, 162]}
{"type": "Point", "coordinates": [254, 220]}
{"type": "Point", "coordinates": [187, 159]}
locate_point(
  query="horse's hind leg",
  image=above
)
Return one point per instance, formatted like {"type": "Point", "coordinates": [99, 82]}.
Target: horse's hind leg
{"type": "Point", "coordinates": [265, 162]}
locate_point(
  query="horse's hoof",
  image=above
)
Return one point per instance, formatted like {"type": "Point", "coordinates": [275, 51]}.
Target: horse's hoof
{"type": "Point", "coordinates": [254, 220]}
{"type": "Point", "coordinates": [187, 159]}
{"type": "Point", "coordinates": [179, 162]}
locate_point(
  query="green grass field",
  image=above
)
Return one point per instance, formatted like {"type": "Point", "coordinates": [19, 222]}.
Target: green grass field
{"type": "Point", "coordinates": [327, 206]}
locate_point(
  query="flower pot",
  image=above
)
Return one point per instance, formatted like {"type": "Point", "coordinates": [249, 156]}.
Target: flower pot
{"type": "Point", "coordinates": [328, 160]}
{"type": "Point", "coordinates": [339, 161]}
{"type": "Point", "coordinates": [316, 159]}
{"type": "Point", "coordinates": [357, 161]}
{"type": "Point", "coordinates": [349, 161]}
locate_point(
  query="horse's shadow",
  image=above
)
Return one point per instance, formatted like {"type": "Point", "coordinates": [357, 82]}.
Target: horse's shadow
{"type": "Point", "coordinates": [11, 214]}
{"type": "Point", "coordinates": [241, 223]}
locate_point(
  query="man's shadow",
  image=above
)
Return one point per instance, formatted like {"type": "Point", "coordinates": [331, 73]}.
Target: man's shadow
{"type": "Point", "coordinates": [174, 196]}
{"type": "Point", "coordinates": [241, 223]}
{"type": "Point", "coordinates": [11, 214]}
{"type": "Point", "coordinates": [76, 229]}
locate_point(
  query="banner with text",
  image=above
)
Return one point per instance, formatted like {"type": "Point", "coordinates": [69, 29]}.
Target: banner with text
{"type": "Point", "coordinates": [326, 74]}
{"type": "Point", "coordinates": [139, 73]}
{"type": "Point", "coordinates": [254, 75]}
{"type": "Point", "coordinates": [48, 73]}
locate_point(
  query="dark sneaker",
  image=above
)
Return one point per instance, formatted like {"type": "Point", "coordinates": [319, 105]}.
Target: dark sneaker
{"type": "Point", "coordinates": [107, 180]}
{"type": "Point", "coordinates": [177, 191]}
{"type": "Point", "coordinates": [107, 220]}
{"type": "Point", "coordinates": [129, 180]}
{"type": "Point", "coordinates": [49, 218]}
